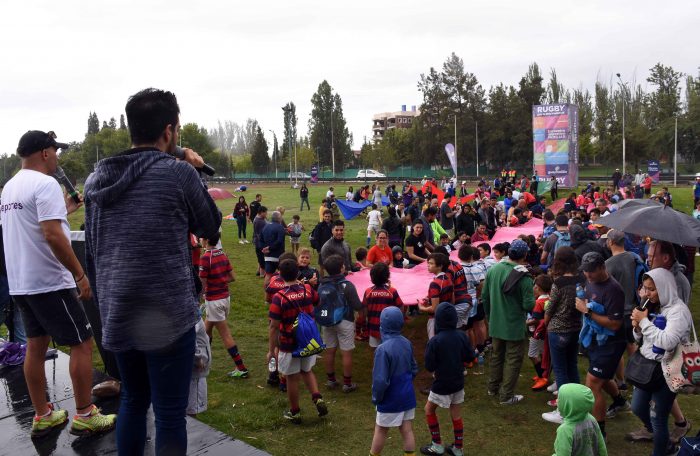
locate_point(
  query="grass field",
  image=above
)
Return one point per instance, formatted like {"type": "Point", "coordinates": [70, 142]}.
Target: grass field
{"type": "Point", "coordinates": [251, 411]}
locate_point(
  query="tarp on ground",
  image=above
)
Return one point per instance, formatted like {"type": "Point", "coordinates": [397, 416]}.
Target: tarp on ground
{"type": "Point", "coordinates": [351, 209]}
{"type": "Point", "coordinates": [412, 284]}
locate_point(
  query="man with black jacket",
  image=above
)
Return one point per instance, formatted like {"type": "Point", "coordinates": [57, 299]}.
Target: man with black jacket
{"type": "Point", "coordinates": [321, 233]}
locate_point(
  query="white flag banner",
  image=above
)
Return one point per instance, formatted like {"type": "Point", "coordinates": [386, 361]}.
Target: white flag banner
{"type": "Point", "coordinates": [450, 150]}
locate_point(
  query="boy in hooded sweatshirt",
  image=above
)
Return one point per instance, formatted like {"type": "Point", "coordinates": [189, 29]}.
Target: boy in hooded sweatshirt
{"type": "Point", "coordinates": [445, 356]}
{"type": "Point", "coordinates": [392, 383]}
{"type": "Point", "coordinates": [579, 434]}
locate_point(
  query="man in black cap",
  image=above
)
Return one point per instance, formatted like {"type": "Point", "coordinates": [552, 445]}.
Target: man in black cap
{"type": "Point", "coordinates": [43, 279]}
{"type": "Point", "coordinates": [604, 357]}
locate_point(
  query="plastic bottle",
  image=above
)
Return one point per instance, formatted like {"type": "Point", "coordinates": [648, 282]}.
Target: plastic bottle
{"type": "Point", "coordinates": [272, 365]}
{"type": "Point", "coordinates": [480, 364]}
{"type": "Point", "coordinates": [659, 322]}
{"type": "Point", "coordinates": [579, 291]}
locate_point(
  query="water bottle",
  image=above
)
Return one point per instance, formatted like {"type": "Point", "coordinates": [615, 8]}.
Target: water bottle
{"type": "Point", "coordinates": [659, 322]}
{"type": "Point", "coordinates": [579, 291]}
{"type": "Point", "coordinates": [480, 365]}
{"type": "Point", "coordinates": [272, 365]}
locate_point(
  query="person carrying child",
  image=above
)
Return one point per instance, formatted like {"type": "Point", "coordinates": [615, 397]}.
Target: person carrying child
{"type": "Point", "coordinates": [445, 356]}
{"type": "Point", "coordinates": [294, 229]}
{"type": "Point", "coordinates": [377, 298]}
{"type": "Point", "coordinates": [579, 434]}
{"type": "Point", "coordinates": [395, 368]}
{"type": "Point", "coordinates": [286, 305]}
{"type": "Point", "coordinates": [197, 402]}
{"type": "Point", "coordinates": [216, 273]}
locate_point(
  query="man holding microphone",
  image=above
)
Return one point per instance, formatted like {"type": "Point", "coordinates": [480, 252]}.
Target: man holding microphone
{"type": "Point", "coordinates": [141, 206]}
{"type": "Point", "coordinates": [42, 275]}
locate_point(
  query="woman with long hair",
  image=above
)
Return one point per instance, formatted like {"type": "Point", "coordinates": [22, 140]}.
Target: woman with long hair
{"type": "Point", "coordinates": [241, 212]}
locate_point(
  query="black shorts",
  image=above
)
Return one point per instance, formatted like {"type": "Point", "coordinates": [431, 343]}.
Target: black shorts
{"type": "Point", "coordinates": [271, 267]}
{"type": "Point", "coordinates": [261, 257]}
{"type": "Point", "coordinates": [59, 314]}
{"type": "Point", "coordinates": [480, 316]}
{"type": "Point", "coordinates": [604, 359]}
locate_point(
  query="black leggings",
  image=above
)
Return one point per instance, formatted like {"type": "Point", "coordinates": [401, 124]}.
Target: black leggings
{"type": "Point", "coordinates": [241, 221]}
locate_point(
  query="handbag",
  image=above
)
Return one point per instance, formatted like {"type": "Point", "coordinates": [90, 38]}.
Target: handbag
{"type": "Point", "coordinates": [644, 373]}
{"type": "Point", "coordinates": [682, 369]}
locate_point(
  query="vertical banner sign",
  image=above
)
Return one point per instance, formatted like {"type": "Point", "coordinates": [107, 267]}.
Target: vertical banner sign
{"type": "Point", "coordinates": [654, 170]}
{"type": "Point", "coordinates": [555, 142]}
{"type": "Point", "coordinates": [314, 174]}
{"type": "Point", "coordinates": [450, 150]}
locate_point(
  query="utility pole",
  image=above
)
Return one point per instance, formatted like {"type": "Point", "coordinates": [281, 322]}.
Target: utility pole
{"type": "Point", "coordinates": [476, 126]}
{"type": "Point", "coordinates": [675, 154]}
{"type": "Point", "coordinates": [624, 95]}
{"type": "Point", "coordinates": [274, 152]}
{"type": "Point", "coordinates": [332, 143]}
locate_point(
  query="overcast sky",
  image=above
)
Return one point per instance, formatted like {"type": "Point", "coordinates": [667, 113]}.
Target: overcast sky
{"type": "Point", "coordinates": [230, 60]}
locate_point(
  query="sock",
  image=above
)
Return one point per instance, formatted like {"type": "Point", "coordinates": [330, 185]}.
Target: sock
{"type": "Point", "coordinates": [331, 376]}
{"type": "Point", "coordinates": [601, 425]}
{"type": "Point", "coordinates": [682, 424]}
{"type": "Point", "coordinates": [434, 427]}
{"type": "Point", "coordinates": [539, 370]}
{"type": "Point", "coordinates": [316, 396]}
{"type": "Point", "coordinates": [347, 380]}
{"type": "Point", "coordinates": [86, 414]}
{"type": "Point", "coordinates": [369, 239]}
{"type": "Point", "coordinates": [47, 413]}
{"type": "Point", "coordinates": [233, 352]}
{"type": "Point", "coordinates": [459, 432]}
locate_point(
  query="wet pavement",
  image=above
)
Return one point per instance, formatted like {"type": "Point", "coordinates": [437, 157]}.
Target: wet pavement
{"type": "Point", "coordinates": [16, 415]}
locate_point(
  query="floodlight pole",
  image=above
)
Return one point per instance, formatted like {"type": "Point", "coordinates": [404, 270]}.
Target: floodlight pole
{"type": "Point", "coordinates": [624, 95]}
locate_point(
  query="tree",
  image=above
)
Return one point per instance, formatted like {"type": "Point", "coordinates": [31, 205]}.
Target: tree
{"type": "Point", "coordinates": [112, 123]}
{"type": "Point", "coordinates": [122, 123]}
{"type": "Point", "coordinates": [556, 93]}
{"type": "Point", "coordinates": [93, 124]}
{"type": "Point", "coordinates": [290, 128]}
{"type": "Point", "coordinates": [328, 132]}
{"type": "Point", "coordinates": [259, 158]}
{"type": "Point", "coordinates": [104, 125]}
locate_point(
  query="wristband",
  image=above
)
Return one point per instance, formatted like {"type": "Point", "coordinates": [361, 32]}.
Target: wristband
{"type": "Point", "coordinates": [81, 278]}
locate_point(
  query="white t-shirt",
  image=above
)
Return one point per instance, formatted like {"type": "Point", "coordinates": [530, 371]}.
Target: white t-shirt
{"type": "Point", "coordinates": [330, 194]}
{"type": "Point", "coordinates": [377, 197]}
{"type": "Point", "coordinates": [28, 198]}
{"type": "Point", "coordinates": [374, 217]}
{"type": "Point", "coordinates": [348, 196]}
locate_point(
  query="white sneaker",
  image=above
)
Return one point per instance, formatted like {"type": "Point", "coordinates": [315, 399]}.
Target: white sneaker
{"type": "Point", "coordinates": [245, 241]}
{"type": "Point", "coordinates": [552, 388]}
{"type": "Point", "coordinates": [553, 417]}
{"type": "Point", "coordinates": [513, 400]}
{"type": "Point", "coordinates": [240, 241]}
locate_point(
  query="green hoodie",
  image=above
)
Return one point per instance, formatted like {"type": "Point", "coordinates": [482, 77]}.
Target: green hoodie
{"type": "Point", "coordinates": [579, 434]}
{"type": "Point", "coordinates": [507, 313]}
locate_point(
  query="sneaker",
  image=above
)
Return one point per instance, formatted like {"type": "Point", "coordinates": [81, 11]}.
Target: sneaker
{"type": "Point", "coordinates": [93, 423]}
{"type": "Point", "coordinates": [454, 451]}
{"type": "Point", "coordinates": [540, 384]}
{"type": "Point", "coordinates": [552, 403]}
{"type": "Point", "coordinates": [240, 241]}
{"type": "Point", "coordinates": [245, 241]}
{"type": "Point", "coordinates": [433, 448]}
{"type": "Point", "coordinates": [640, 435]}
{"type": "Point", "coordinates": [553, 417]}
{"type": "Point", "coordinates": [552, 388]}
{"type": "Point", "coordinates": [331, 384]}
{"type": "Point", "coordinates": [513, 400]}
{"type": "Point", "coordinates": [491, 393]}
{"type": "Point", "coordinates": [679, 432]}
{"type": "Point", "coordinates": [349, 388]}
{"type": "Point", "coordinates": [616, 408]}
{"type": "Point", "coordinates": [295, 418]}
{"type": "Point", "coordinates": [238, 374]}
{"type": "Point", "coordinates": [321, 407]}
{"type": "Point", "coordinates": [42, 425]}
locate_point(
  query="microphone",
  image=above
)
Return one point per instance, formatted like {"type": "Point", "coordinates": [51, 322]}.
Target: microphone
{"type": "Point", "coordinates": [61, 177]}
{"type": "Point", "coordinates": [206, 169]}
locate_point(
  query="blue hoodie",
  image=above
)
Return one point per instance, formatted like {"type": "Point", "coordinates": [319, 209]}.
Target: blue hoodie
{"type": "Point", "coordinates": [394, 366]}
{"type": "Point", "coordinates": [447, 352]}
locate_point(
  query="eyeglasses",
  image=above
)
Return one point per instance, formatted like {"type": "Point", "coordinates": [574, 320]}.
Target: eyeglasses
{"type": "Point", "coordinates": [381, 237]}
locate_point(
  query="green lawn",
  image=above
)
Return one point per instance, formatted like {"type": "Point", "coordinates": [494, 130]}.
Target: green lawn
{"type": "Point", "coordinates": [251, 411]}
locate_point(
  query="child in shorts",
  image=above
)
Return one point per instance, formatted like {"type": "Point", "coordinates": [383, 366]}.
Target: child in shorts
{"type": "Point", "coordinates": [377, 298]}
{"type": "Point", "coordinates": [294, 229]}
{"type": "Point", "coordinates": [197, 402]}
{"type": "Point", "coordinates": [392, 384]}
{"type": "Point", "coordinates": [216, 273]}
{"type": "Point", "coordinates": [286, 305]}
{"type": "Point", "coordinates": [445, 356]}
{"type": "Point", "coordinates": [439, 290]}
{"type": "Point", "coordinates": [541, 289]}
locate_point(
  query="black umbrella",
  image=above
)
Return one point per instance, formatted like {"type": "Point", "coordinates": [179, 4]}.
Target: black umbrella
{"type": "Point", "coordinates": [655, 220]}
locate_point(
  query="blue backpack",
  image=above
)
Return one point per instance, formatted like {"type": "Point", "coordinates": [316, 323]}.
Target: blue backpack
{"type": "Point", "coordinates": [306, 335]}
{"type": "Point", "coordinates": [640, 268]}
{"type": "Point", "coordinates": [332, 304]}
{"type": "Point", "coordinates": [563, 240]}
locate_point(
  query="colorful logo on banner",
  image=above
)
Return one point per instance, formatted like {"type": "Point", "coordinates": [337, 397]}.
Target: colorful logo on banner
{"type": "Point", "coordinates": [654, 170]}
{"type": "Point", "coordinates": [314, 174]}
{"type": "Point", "coordinates": [555, 142]}
{"type": "Point", "coordinates": [452, 155]}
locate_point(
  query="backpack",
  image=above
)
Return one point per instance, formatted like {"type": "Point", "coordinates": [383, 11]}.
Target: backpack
{"type": "Point", "coordinates": [332, 304]}
{"type": "Point", "coordinates": [306, 335]}
{"type": "Point", "coordinates": [563, 240]}
{"type": "Point", "coordinates": [312, 239]}
{"type": "Point", "coordinates": [640, 268]}
{"type": "Point", "coordinates": [689, 446]}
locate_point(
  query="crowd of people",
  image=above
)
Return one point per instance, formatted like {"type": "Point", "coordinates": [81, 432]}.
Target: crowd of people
{"type": "Point", "coordinates": [576, 289]}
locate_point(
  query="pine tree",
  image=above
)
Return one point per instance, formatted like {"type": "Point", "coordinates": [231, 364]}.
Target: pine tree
{"type": "Point", "coordinates": [112, 123]}
{"type": "Point", "coordinates": [122, 123]}
{"type": "Point", "coordinates": [290, 129]}
{"type": "Point", "coordinates": [259, 156]}
{"type": "Point", "coordinates": [93, 124]}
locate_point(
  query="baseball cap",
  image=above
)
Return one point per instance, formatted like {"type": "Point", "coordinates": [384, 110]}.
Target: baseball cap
{"type": "Point", "coordinates": [518, 249]}
{"type": "Point", "coordinates": [35, 140]}
{"type": "Point", "coordinates": [615, 236]}
{"type": "Point", "coordinates": [591, 261]}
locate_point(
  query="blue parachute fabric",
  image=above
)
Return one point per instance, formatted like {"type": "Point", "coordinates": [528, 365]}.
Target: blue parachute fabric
{"type": "Point", "coordinates": [351, 209]}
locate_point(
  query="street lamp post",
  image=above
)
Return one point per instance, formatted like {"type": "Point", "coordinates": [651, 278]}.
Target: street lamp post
{"type": "Point", "coordinates": [332, 144]}
{"type": "Point", "coordinates": [274, 153]}
{"type": "Point", "coordinates": [476, 132]}
{"type": "Point", "coordinates": [624, 95]}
